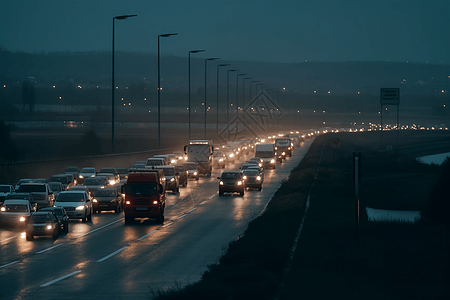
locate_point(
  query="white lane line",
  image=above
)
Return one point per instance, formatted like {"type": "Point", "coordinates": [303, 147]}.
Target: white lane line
{"type": "Point", "coordinates": [60, 278]}
{"type": "Point", "coordinates": [121, 219]}
{"type": "Point", "coordinates": [11, 263]}
{"type": "Point", "coordinates": [8, 239]}
{"type": "Point", "coordinates": [112, 254]}
{"type": "Point", "coordinates": [181, 217]}
{"type": "Point", "coordinates": [168, 224]}
{"type": "Point", "coordinates": [191, 210]}
{"type": "Point", "coordinates": [143, 237]}
{"type": "Point", "coordinates": [45, 250]}
{"type": "Point", "coordinates": [211, 197]}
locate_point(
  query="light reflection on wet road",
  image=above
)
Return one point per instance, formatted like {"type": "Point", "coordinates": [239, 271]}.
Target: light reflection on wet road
{"type": "Point", "coordinates": [106, 259]}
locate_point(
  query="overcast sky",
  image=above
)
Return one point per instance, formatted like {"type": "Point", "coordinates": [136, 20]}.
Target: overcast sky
{"type": "Point", "coordinates": [265, 30]}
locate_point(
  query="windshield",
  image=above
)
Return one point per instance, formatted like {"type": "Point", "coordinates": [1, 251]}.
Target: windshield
{"type": "Point", "coordinates": [39, 218]}
{"type": "Point", "coordinates": [72, 169]}
{"type": "Point", "coordinates": [155, 162]}
{"type": "Point", "coordinates": [93, 181]}
{"type": "Point", "coordinates": [231, 176]}
{"type": "Point", "coordinates": [191, 167]}
{"type": "Point", "coordinates": [70, 197]}
{"type": "Point", "coordinates": [87, 170]}
{"type": "Point", "coordinates": [141, 189]}
{"type": "Point", "coordinates": [251, 172]}
{"type": "Point", "coordinates": [4, 189]}
{"type": "Point", "coordinates": [265, 154]}
{"type": "Point", "coordinates": [108, 170]}
{"type": "Point", "coordinates": [16, 208]}
{"type": "Point", "coordinates": [283, 142]}
{"type": "Point", "coordinates": [32, 188]}
{"type": "Point", "coordinates": [19, 196]}
{"type": "Point", "coordinates": [179, 168]}
{"type": "Point", "coordinates": [62, 179]}
{"type": "Point", "coordinates": [168, 172]}
{"type": "Point", "coordinates": [57, 211]}
{"type": "Point", "coordinates": [105, 193]}
{"type": "Point", "coordinates": [55, 187]}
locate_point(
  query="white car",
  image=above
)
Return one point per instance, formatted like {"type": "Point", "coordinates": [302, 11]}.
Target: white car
{"type": "Point", "coordinates": [15, 212]}
{"type": "Point", "coordinates": [76, 203]}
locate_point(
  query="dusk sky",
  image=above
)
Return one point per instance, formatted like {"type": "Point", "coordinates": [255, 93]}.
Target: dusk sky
{"type": "Point", "coordinates": [265, 30]}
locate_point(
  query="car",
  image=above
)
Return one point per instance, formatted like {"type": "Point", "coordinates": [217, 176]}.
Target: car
{"type": "Point", "coordinates": [259, 169]}
{"type": "Point", "coordinates": [21, 196]}
{"type": "Point", "coordinates": [5, 190]}
{"type": "Point", "coordinates": [72, 170]}
{"type": "Point", "coordinates": [80, 188]}
{"type": "Point", "coordinates": [107, 199]}
{"type": "Point", "coordinates": [231, 182]}
{"type": "Point", "coordinates": [258, 160]}
{"type": "Point", "coordinates": [219, 159]}
{"type": "Point", "coordinates": [166, 157]}
{"type": "Point", "coordinates": [56, 187]}
{"type": "Point", "coordinates": [245, 166]}
{"type": "Point", "coordinates": [252, 178]}
{"type": "Point", "coordinates": [72, 178]}
{"type": "Point", "coordinates": [123, 173]}
{"type": "Point", "coordinates": [110, 178]}
{"type": "Point", "coordinates": [63, 178]}
{"type": "Point", "coordinates": [136, 166]}
{"type": "Point", "coordinates": [111, 170]}
{"type": "Point", "coordinates": [191, 169]}
{"type": "Point", "coordinates": [40, 192]}
{"type": "Point", "coordinates": [27, 180]}
{"type": "Point", "coordinates": [172, 178]}
{"type": "Point", "coordinates": [15, 212]}
{"type": "Point", "coordinates": [181, 156]}
{"type": "Point", "coordinates": [42, 223]}
{"type": "Point", "coordinates": [85, 173]}
{"type": "Point", "coordinates": [76, 203]}
{"type": "Point", "coordinates": [155, 161]}
{"type": "Point", "coordinates": [182, 174]}
{"type": "Point", "coordinates": [95, 183]}
{"type": "Point", "coordinates": [229, 153]}
{"type": "Point", "coordinates": [61, 215]}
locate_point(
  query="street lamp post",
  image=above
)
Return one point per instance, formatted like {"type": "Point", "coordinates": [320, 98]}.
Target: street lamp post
{"type": "Point", "coordinates": [243, 94]}
{"type": "Point", "coordinates": [253, 81]}
{"type": "Point", "coordinates": [206, 108]}
{"type": "Point", "coordinates": [228, 94]}
{"type": "Point", "coordinates": [217, 98]}
{"type": "Point", "coordinates": [189, 84]}
{"type": "Point", "coordinates": [123, 17]}
{"type": "Point", "coordinates": [237, 93]}
{"type": "Point", "coordinates": [159, 87]}
{"type": "Point", "coordinates": [258, 84]}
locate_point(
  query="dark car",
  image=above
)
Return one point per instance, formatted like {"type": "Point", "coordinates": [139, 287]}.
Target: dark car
{"type": "Point", "coordinates": [111, 170]}
{"type": "Point", "coordinates": [107, 199]}
{"type": "Point", "coordinates": [63, 178]}
{"type": "Point", "coordinates": [219, 159]}
{"type": "Point", "coordinates": [123, 173]}
{"type": "Point", "coordinates": [72, 170]}
{"type": "Point", "coordinates": [182, 174]}
{"type": "Point", "coordinates": [61, 215]}
{"type": "Point", "coordinates": [231, 182]}
{"type": "Point", "coordinates": [42, 223]}
{"type": "Point", "coordinates": [252, 179]}
{"type": "Point", "coordinates": [191, 169]}
{"type": "Point", "coordinates": [95, 183]}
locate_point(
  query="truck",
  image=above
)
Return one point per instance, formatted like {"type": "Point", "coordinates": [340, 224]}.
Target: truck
{"type": "Point", "coordinates": [200, 152]}
{"type": "Point", "coordinates": [283, 147]}
{"type": "Point", "coordinates": [145, 195]}
{"type": "Point", "coordinates": [267, 153]}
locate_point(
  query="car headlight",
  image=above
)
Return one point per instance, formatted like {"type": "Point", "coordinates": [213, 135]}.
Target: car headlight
{"type": "Point", "coordinates": [283, 153]}
{"type": "Point", "coordinates": [81, 207]}
{"type": "Point", "coordinates": [258, 177]}
{"type": "Point", "coordinates": [22, 219]}
{"type": "Point", "coordinates": [81, 176]}
{"type": "Point", "coordinates": [185, 158]}
{"type": "Point", "coordinates": [289, 148]}
{"type": "Point", "coordinates": [155, 202]}
{"type": "Point", "coordinates": [245, 177]}
{"type": "Point", "coordinates": [260, 164]}
{"type": "Point", "coordinates": [195, 173]}
{"type": "Point", "coordinates": [49, 227]}
{"type": "Point", "coordinates": [221, 182]}
{"type": "Point", "coordinates": [3, 208]}
{"type": "Point", "coordinates": [272, 161]}
{"type": "Point", "coordinates": [172, 179]}
{"type": "Point", "coordinates": [276, 148]}
{"type": "Point", "coordinates": [221, 159]}
{"type": "Point", "coordinates": [173, 161]}
{"type": "Point", "coordinates": [112, 182]}
{"type": "Point", "coordinates": [231, 155]}
{"type": "Point", "coordinates": [127, 202]}
{"type": "Point", "coordinates": [94, 200]}
{"type": "Point", "coordinates": [239, 182]}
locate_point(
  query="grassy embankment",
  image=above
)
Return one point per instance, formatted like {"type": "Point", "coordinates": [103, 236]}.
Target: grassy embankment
{"type": "Point", "coordinates": [385, 261]}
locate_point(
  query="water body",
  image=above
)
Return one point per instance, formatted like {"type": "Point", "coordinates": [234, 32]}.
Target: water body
{"type": "Point", "coordinates": [437, 159]}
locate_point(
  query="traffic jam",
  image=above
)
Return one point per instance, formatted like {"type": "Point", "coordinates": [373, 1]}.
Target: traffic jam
{"type": "Point", "coordinates": [49, 206]}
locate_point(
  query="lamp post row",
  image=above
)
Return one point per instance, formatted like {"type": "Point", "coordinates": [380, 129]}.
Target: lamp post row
{"type": "Point", "coordinates": [123, 17]}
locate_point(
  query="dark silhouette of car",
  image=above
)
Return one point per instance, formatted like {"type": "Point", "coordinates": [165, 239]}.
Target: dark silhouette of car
{"type": "Point", "coordinates": [41, 224]}
{"type": "Point", "coordinates": [231, 182]}
{"type": "Point", "coordinates": [61, 215]}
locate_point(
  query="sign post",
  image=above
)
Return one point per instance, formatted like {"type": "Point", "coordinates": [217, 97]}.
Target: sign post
{"type": "Point", "coordinates": [389, 96]}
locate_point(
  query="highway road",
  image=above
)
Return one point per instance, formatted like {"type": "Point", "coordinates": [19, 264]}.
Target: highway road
{"type": "Point", "coordinates": [106, 259]}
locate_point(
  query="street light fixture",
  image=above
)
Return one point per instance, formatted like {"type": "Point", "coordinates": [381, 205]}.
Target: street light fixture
{"type": "Point", "coordinates": [206, 62]}
{"type": "Point", "coordinates": [217, 98]}
{"type": "Point", "coordinates": [159, 87]}
{"type": "Point", "coordinates": [189, 84]}
{"type": "Point", "coordinates": [228, 94]}
{"type": "Point", "coordinates": [123, 17]}
{"type": "Point", "coordinates": [237, 93]}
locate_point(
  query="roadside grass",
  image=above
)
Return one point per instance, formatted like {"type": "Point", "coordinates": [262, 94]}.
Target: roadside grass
{"type": "Point", "coordinates": [334, 260]}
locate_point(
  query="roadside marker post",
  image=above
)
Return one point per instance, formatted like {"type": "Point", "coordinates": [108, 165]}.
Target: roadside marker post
{"type": "Point", "coordinates": [356, 180]}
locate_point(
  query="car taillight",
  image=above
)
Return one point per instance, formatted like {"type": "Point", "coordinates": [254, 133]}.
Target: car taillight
{"type": "Point", "coordinates": [127, 202]}
{"type": "Point", "coordinates": [155, 202]}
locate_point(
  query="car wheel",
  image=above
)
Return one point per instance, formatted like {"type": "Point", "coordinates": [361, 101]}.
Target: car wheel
{"type": "Point", "coordinates": [128, 220]}
{"type": "Point", "coordinates": [177, 190]}
{"type": "Point", "coordinates": [241, 194]}
{"type": "Point", "coordinates": [260, 188]}
{"type": "Point", "coordinates": [84, 219]}
{"type": "Point", "coordinates": [89, 217]}
{"type": "Point", "coordinates": [160, 219]}
{"type": "Point", "coordinates": [220, 193]}
{"type": "Point", "coordinates": [30, 237]}
{"type": "Point", "coordinates": [117, 209]}
{"type": "Point", "coordinates": [66, 228]}
{"type": "Point", "coordinates": [196, 178]}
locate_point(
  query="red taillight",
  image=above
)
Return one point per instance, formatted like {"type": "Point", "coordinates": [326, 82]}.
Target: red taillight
{"type": "Point", "coordinates": [155, 202]}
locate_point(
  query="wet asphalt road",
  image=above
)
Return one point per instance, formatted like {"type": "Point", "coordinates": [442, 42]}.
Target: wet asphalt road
{"type": "Point", "coordinates": [106, 259]}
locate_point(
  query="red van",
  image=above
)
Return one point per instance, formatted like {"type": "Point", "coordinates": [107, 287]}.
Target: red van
{"type": "Point", "coordinates": [145, 195]}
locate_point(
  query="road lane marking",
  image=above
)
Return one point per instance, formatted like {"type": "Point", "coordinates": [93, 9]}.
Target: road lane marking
{"type": "Point", "coordinates": [182, 216]}
{"type": "Point", "coordinates": [168, 224]}
{"type": "Point", "coordinates": [121, 219]}
{"type": "Point", "coordinates": [11, 263]}
{"type": "Point", "coordinates": [60, 278]}
{"type": "Point", "coordinates": [211, 196]}
{"type": "Point", "coordinates": [112, 254]}
{"type": "Point", "coordinates": [45, 250]}
{"type": "Point", "coordinates": [143, 237]}
{"type": "Point", "coordinates": [192, 210]}
{"type": "Point", "coordinates": [8, 239]}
